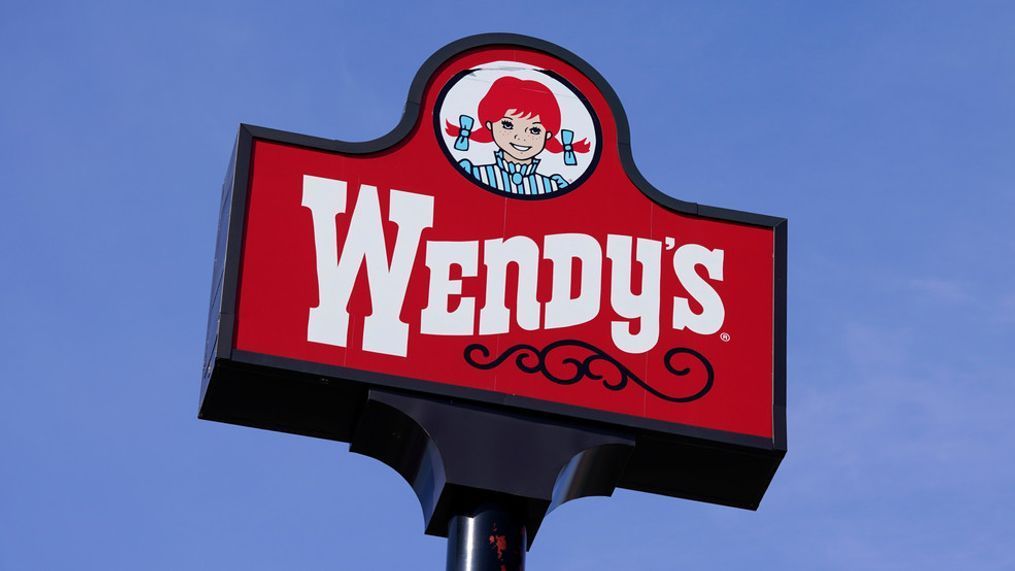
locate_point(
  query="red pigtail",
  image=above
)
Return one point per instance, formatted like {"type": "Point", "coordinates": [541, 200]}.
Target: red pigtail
{"type": "Point", "coordinates": [555, 146]}
{"type": "Point", "coordinates": [478, 133]}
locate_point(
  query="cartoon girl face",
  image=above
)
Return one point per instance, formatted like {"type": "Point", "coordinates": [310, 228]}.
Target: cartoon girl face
{"type": "Point", "coordinates": [522, 118]}
{"type": "Point", "coordinates": [520, 135]}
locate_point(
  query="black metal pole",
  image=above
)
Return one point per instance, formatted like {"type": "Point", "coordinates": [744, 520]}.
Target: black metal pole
{"type": "Point", "coordinates": [490, 538]}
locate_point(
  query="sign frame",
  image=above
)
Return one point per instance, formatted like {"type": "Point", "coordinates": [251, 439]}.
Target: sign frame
{"type": "Point", "coordinates": [326, 401]}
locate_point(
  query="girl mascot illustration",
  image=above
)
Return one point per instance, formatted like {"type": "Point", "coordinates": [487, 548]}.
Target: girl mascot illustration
{"type": "Point", "coordinates": [522, 118]}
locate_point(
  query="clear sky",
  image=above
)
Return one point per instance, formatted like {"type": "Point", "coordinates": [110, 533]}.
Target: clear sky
{"type": "Point", "coordinates": [885, 132]}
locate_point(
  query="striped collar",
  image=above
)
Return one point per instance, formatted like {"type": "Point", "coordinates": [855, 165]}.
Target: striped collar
{"type": "Point", "coordinates": [512, 167]}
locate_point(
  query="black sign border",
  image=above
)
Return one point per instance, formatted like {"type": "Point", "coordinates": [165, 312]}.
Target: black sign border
{"type": "Point", "coordinates": [225, 362]}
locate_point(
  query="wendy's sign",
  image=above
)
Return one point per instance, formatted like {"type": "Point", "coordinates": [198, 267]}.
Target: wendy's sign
{"type": "Point", "coordinates": [500, 249]}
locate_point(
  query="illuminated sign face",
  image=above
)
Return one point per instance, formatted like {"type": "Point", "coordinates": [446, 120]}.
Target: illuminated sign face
{"type": "Point", "coordinates": [500, 247]}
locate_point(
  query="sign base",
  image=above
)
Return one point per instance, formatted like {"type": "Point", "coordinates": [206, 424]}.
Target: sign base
{"type": "Point", "coordinates": [458, 457]}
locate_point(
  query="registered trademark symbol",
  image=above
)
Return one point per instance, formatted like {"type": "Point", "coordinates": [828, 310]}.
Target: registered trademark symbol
{"type": "Point", "coordinates": [725, 337]}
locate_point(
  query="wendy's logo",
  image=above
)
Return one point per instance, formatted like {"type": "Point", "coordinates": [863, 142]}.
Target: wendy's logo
{"type": "Point", "coordinates": [517, 131]}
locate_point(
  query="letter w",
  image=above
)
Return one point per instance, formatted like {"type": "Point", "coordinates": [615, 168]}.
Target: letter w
{"type": "Point", "coordinates": [338, 265]}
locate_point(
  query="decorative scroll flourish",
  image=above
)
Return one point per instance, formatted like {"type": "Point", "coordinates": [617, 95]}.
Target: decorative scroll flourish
{"type": "Point", "coordinates": [570, 370]}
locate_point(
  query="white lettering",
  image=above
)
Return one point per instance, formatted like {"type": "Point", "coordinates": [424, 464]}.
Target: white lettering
{"type": "Point", "coordinates": [435, 318]}
{"type": "Point", "coordinates": [497, 254]}
{"type": "Point", "coordinates": [563, 249]}
{"type": "Point", "coordinates": [576, 287]}
{"type": "Point", "coordinates": [383, 329]}
{"type": "Point", "coordinates": [644, 306]}
{"type": "Point", "coordinates": [686, 258]}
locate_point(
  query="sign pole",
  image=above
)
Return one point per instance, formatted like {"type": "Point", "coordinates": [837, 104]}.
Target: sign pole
{"type": "Point", "coordinates": [490, 538]}
{"type": "Point", "coordinates": [485, 478]}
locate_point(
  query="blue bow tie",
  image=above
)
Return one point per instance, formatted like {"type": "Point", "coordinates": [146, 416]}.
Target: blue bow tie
{"type": "Point", "coordinates": [464, 130]}
{"type": "Point", "coordinates": [567, 137]}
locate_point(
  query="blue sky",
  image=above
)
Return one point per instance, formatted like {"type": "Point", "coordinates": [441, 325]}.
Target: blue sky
{"type": "Point", "coordinates": [885, 132]}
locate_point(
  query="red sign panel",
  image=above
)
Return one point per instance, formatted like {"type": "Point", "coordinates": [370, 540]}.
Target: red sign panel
{"type": "Point", "coordinates": [501, 240]}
